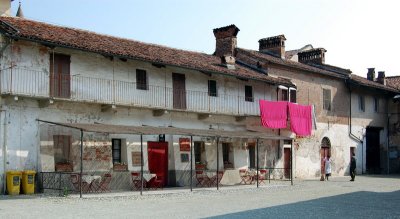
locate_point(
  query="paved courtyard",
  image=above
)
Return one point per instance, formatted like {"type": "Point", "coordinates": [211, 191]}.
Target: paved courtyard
{"type": "Point", "coordinates": [367, 197]}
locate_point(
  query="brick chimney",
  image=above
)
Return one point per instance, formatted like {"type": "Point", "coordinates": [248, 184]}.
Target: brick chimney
{"type": "Point", "coordinates": [371, 74]}
{"type": "Point", "coordinates": [273, 45]}
{"type": "Point", "coordinates": [381, 78]}
{"type": "Point", "coordinates": [226, 41]}
{"type": "Point", "coordinates": [316, 56]}
{"type": "Point", "coordinates": [5, 7]}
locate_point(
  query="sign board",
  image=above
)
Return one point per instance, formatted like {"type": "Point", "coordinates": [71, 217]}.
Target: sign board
{"type": "Point", "coordinates": [136, 159]}
{"type": "Point", "coordinates": [184, 144]}
{"type": "Point", "coordinates": [184, 158]}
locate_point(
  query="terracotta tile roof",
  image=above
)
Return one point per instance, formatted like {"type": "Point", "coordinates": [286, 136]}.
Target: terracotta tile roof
{"type": "Point", "coordinates": [393, 81]}
{"type": "Point", "coordinates": [108, 45]}
{"type": "Point", "coordinates": [253, 56]}
{"type": "Point", "coordinates": [365, 82]}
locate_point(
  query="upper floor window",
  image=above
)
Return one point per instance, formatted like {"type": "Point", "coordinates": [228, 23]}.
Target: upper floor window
{"type": "Point", "coordinates": [283, 93]}
{"type": "Point", "coordinates": [326, 99]}
{"type": "Point", "coordinates": [212, 88]}
{"type": "Point", "coordinates": [361, 103]}
{"type": "Point", "coordinates": [141, 79]}
{"type": "Point", "coordinates": [248, 93]}
{"type": "Point", "coordinates": [116, 150]}
{"type": "Point", "coordinates": [376, 104]}
{"type": "Point", "coordinates": [292, 95]}
{"type": "Point", "coordinates": [60, 78]}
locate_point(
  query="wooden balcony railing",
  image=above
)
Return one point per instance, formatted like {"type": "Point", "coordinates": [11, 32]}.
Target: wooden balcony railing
{"type": "Point", "coordinates": [40, 84]}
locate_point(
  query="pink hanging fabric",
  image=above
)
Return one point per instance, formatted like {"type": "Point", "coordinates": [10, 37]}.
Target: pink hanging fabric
{"type": "Point", "coordinates": [273, 114]}
{"type": "Point", "coordinates": [300, 119]}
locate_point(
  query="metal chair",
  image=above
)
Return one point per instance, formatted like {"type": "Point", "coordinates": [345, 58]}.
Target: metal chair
{"type": "Point", "coordinates": [136, 181]}
{"type": "Point", "coordinates": [246, 178]}
{"type": "Point", "coordinates": [202, 179]}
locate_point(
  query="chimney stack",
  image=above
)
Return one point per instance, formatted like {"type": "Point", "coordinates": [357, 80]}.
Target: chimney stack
{"type": "Point", "coordinates": [226, 41]}
{"type": "Point", "coordinates": [316, 56]}
{"type": "Point", "coordinates": [5, 8]}
{"type": "Point", "coordinates": [371, 74]}
{"type": "Point", "coordinates": [274, 45]}
{"type": "Point", "coordinates": [381, 78]}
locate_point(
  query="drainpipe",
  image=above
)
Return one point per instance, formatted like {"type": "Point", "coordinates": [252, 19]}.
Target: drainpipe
{"type": "Point", "coordinates": [351, 135]}
{"type": "Point", "coordinates": [387, 136]}
{"type": "Point", "coordinates": [4, 112]}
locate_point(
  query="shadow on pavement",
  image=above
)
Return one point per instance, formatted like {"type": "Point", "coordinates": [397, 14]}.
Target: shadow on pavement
{"type": "Point", "coordinates": [351, 205]}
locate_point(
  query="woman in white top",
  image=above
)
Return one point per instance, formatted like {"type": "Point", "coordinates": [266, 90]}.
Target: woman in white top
{"type": "Point", "coordinates": [328, 169]}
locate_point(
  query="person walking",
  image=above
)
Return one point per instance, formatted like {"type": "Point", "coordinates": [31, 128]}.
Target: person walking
{"type": "Point", "coordinates": [328, 169]}
{"type": "Point", "coordinates": [353, 163]}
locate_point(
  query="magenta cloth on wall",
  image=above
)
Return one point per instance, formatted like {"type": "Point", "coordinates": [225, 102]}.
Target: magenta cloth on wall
{"type": "Point", "coordinates": [300, 119]}
{"type": "Point", "coordinates": [273, 114]}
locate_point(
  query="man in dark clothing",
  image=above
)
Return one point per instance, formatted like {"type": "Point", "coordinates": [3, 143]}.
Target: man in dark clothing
{"type": "Point", "coordinates": [353, 162]}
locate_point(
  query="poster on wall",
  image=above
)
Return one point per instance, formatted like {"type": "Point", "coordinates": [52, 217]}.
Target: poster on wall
{"type": "Point", "coordinates": [136, 159]}
{"type": "Point", "coordinates": [184, 144]}
{"type": "Point", "coordinates": [185, 158]}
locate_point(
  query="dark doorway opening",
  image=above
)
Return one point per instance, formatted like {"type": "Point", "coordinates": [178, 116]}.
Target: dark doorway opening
{"type": "Point", "coordinates": [252, 155]}
{"type": "Point", "coordinates": [372, 150]}
{"type": "Point", "coordinates": [286, 162]}
{"type": "Point", "coordinates": [179, 91]}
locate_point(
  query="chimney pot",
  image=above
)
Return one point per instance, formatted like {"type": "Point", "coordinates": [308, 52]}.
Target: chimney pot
{"type": "Point", "coordinates": [316, 56]}
{"type": "Point", "coordinates": [226, 41]}
{"type": "Point", "coordinates": [381, 77]}
{"type": "Point", "coordinates": [274, 45]}
{"type": "Point", "coordinates": [371, 74]}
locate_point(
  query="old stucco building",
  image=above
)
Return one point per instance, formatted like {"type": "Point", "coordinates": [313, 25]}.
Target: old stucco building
{"type": "Point", "coordinates": [73, 76]}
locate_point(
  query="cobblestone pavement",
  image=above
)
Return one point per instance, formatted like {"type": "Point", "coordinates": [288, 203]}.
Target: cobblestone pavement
{"type": "Point", "coordinates": [367, 197]}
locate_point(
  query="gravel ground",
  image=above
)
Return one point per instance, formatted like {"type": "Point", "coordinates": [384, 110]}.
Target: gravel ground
{"type": "Point", "coordinates": [367, 197]}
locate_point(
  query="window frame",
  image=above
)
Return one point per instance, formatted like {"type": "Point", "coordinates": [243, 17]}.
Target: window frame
{"type": "Point", "coordinates": [291, 92]}
{"type": "Point", "coordinates": [211, 89]}
{"type": "Point", "coordinates": [113, 150]}
{"type": "Point", "coordinates": [248, 98]}
{"type": "Point", "coordinates": [361, 103]}
{"type": "Point", "coordinates": [376, 104]}
{"type": "Point", "coordinates": [142, 82]}
{"type": "Point", "coordinates": [326, 97]}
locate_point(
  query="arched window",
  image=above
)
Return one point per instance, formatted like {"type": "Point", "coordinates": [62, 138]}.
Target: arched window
{"type": "Point", "coordinates": [325, 143]}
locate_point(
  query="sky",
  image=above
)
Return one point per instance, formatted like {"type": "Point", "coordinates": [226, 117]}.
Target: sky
{"type": "Point", "coordinates": [357, 34]}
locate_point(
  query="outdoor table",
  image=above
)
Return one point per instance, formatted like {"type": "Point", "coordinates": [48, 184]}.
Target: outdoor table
{"type": "Point", "coordinates": [89, 179]}
{"type": "Point", "coordinates": [231, 177]}
{"type": "Point", "coordinates": [148, 176]}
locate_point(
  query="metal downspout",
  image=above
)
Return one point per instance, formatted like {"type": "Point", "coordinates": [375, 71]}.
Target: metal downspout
{"type": "Point", "coordinates": [351, 135]}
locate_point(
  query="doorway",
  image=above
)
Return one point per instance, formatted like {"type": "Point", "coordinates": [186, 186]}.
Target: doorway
{"type": "Point", "coordinates": [60, 76]}
{"type": "Point", "coordinates": [325, 152]}
{"type": "Point", "coordinates": [179, 91]}
{"type": "Point", "coordinates": [372, 150]}
{"type": "Point", "coordinates": [286, 161]}
{"type": "Point", "coordinates": [158, 160]}
{"type": "Point", "coordinates": [252, 155]}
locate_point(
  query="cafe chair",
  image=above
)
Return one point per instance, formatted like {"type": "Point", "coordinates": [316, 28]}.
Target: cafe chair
{"type": "Point", "coordinates": [202, 179]}
{"type": "Point", "coordinates": [244, 175]}
{"type": "Point", "coordinates": [104, 185]}
{"type": "Point", "coordinates": [262, 176]}
{"type": "Point", "coordinates": [76, 181]}
{"type": "Point", "coordinates": [136, 181]}
{"type": "Point", "coordinates": [156, 183]}
{"type": "Point", "coordinates": [213, 180]}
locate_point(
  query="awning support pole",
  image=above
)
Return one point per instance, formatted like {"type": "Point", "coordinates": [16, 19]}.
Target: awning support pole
{"type": "Point", "coordinates": [217, 162]}
{"type": "Point", "coordinates": [257, 164]}
{"type": "Point", "coordinates": [80, 181]}
{"type": "Point", "coordinates": [141, 166]}
{"type": "Point", "coordinates": [291, 162]}
{"type": "Point", "coordinates": [191, 163]}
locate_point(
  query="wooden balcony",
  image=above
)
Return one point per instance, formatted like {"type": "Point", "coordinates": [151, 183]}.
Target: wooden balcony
{"type": "Point", "coordinates": [40, 84]}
